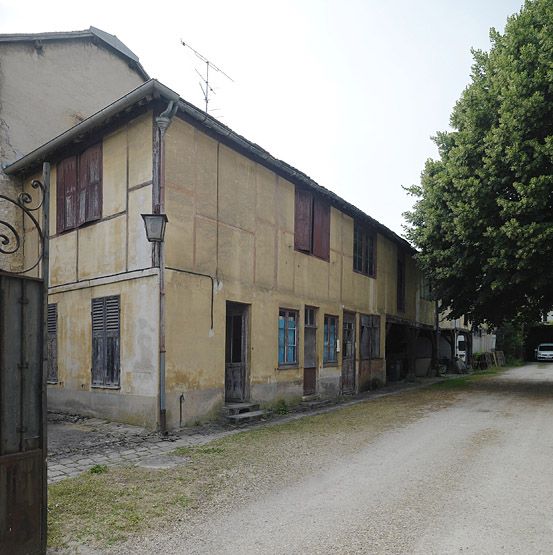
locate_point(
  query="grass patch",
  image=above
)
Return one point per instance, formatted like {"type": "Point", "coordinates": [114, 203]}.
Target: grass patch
{"type": "Point", "coordinates": [466, 380]}
{"type": "Point", "coordinates": [98, 469]}
{"type": "Point", "coordinates": [106, 508]}
{"type": "Point", "coordinates": [198, 450]}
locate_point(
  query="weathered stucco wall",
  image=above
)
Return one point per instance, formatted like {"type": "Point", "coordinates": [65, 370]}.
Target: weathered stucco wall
{"type": "Point", "coordinates": [136, 400]}
{"type": "Point", "coordinates": [234, 219]}
{"type": "Point", "coordinates": [108, 257]}
{"type": "Point", "coordinates": [44, 91]}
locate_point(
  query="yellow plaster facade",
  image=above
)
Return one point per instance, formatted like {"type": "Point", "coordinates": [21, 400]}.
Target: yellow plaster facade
{"type": "Point", "coordinates": [230, 239]}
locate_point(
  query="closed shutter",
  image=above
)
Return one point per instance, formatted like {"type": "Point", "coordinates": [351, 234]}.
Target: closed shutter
{"type": "Point", "coordinates": [106, 341]}
{"type": "Point", "coordinates": [66, 194]}
{"type": "Point", "coordinates": [52, 346]}
{"type": "Point", "coordinates": [321, 229]}
{"type": "Point", "coordinates": [303, 220]}
{"type": "Point", "coordinates": [375, 336]}
{"type": "Point", "coordinates": [365, 337]}
{"type": "Point", "coordinates": [94, 165]}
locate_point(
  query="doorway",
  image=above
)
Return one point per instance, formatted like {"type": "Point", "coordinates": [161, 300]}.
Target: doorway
{"type": "Point", "coordinates": [348, 353]}
{"type": "Point", "coordinates": [236, 352]}
{"type": "Point", "coordinates": [310, 352]}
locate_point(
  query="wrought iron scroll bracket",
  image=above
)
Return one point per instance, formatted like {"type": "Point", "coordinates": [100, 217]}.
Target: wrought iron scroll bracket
{"type": "Point", "coordinates": [10, 238]}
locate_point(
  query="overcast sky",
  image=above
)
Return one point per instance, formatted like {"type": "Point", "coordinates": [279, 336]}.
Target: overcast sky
{"type": "Point", "coordinates": [349, 91]}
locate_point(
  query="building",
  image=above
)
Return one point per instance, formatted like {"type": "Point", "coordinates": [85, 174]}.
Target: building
{"type": "Point", "coordinates": [270, 287]}
{"type": "Point", "coordinates": [48, 83]}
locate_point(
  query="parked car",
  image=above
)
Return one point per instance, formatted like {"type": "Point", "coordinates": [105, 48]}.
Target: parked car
{"type": "Point", "coordinates": [544, 351]}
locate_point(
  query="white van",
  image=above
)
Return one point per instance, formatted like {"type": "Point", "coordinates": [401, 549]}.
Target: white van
{"type": "Point", "coordinates": [544, 351]}
{"type": "Point", "coordinates": [461, 350]}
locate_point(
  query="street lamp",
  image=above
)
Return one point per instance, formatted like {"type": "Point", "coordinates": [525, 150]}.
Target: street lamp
{"type": "Point", "coordinates": [155, 232]}
{"type": "Point", "coordinates": [155, 226]}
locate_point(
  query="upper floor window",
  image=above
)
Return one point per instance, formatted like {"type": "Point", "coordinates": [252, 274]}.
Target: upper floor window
{"type": "Point", "coordinates": [79, 189]}
{"type": "Point", "coordinates": [401, 282]}
{"type": "Point", "coordinates": [364, 251]}
{"type": "Point", "coordinates": [312, 224]}
{"type": "Point", "coordinates": [426, 289]}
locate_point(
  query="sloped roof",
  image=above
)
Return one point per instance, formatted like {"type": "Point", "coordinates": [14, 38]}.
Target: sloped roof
{"type": "Point", "coordinates": [153, 89]}
{"type": "Point", "coordinates": [110, 41]}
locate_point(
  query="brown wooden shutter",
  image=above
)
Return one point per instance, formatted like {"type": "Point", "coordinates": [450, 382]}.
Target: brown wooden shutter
{"type": "Point", "coordinates": [66, 194]}
{"type": "Point", "coordinates": [321, 229]}
{"type": "Point", "coordinates": [90, 185]}
{"type": "Point", "coordinates": [303, 220]}
{"type": "Point", "coordinates": [94, 204]}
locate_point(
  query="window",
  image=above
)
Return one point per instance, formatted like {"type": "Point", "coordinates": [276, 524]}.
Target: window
{"type": "Point", "coordinates": [364, 251]}
{"type": "Point", "coordinates": [287, 337]}
{"type": "Point", "coordinates": [52, 346]}
{"type": "Point", "coordinates": [401, 283]}
{"type": "Point", "coordinates": [310, 338]}
{"type": "Point", "coordinates": [330, 353]}
{"type": "Point", "coordinates": [370, 337]}
{"type": "Point", "coordinates": [79, 189]}
{"type": "Point", "coordinates": [106, 342]}
{"type": "Point", "coordinates": [426, 289]}
{"type": "Point", "coordinates": [312, 224]}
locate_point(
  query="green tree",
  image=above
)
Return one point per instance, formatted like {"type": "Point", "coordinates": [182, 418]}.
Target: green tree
{"type": "Point", "coordinates": [483, 216]}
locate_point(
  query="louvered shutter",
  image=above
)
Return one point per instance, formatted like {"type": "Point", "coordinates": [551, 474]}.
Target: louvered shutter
{"type": "Point", "coordinates": [98, 341]}
{"type": "Point", "coordinates": [112, 341]}
{"type": "Point", "coordinates": [52, 345]}
{"type": "Point", "coordinates": [303, 220]}
{"type": "Point", "coordinates": [106, 341]}
{"type": "Point", "coordinates": [321, 229]}
{"type": "Point", "coordinates": [94, 183]}
{"type": "Point", "coordinates": [66, 192]}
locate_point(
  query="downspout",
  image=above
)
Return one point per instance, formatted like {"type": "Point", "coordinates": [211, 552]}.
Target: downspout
{"type": "Point", "coordinates": [162, 123]}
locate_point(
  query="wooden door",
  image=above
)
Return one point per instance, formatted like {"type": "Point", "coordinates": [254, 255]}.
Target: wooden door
{"type": "Point", "coordinates": [236, 352]}
{"type": "Point", "coordinates": [348, 353]}
{"type": "Point", "coordinates": [310, 352]}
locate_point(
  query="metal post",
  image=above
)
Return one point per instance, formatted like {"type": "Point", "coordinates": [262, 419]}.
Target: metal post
{"type": "Point", "coordinates": [44, 386]}
{"type": "Point", "coordinates": [162, 402]}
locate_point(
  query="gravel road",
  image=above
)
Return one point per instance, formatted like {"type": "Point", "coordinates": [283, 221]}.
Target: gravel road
{"type": "Point", "coordinates": [472, 477]}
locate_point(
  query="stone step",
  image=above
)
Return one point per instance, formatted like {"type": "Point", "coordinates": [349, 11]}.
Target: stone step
{"type": "Point", "coordinates": [246, 416]}
{"type": "Point", "coordinates": [315, 404]}
{"type": "Point", "coordinates": [239, 408]}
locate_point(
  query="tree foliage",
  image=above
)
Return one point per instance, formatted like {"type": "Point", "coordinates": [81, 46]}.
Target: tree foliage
{"type": "Point", "coordinates": [483, 218]}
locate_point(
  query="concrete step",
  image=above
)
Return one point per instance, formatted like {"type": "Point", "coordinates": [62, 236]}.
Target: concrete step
{"type": "Point", "coordinates": [239, 408]}
{"type": "Point", "coordinates": [315, 403]}
{"type": "Point", "coordinates": [246, 416]}
{"type": "Point", "coordinates": [312, 397]}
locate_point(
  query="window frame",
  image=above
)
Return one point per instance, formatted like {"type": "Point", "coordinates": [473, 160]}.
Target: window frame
{"type": "Point", "coordinates": [287, 313]}
{"type": "Point", "coordinates": [311, 224]}
{"type": "Point", "coordinates": [326, 340]}
{"type": "Point", "coordinates": [401, 282]}
{"type": "Point", "coordinates": [106, 329]}
{"type": "Point", "coordinates": [367, 257]}
{"type": "Point", "coordinates": [79, 185]}
{"type": "Point", "coordinates": [370, 322]}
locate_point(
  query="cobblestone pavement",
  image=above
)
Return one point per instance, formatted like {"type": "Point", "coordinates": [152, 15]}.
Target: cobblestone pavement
{"type": "Point", "coordinates": [77, 443]}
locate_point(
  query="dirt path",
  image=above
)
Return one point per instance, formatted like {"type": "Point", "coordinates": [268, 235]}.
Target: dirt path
{"type": "Point", "coordinates": [474, 476]}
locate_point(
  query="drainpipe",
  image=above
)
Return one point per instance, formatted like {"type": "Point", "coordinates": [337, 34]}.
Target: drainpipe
{"type": "Point", "coordinates": [162, 123]}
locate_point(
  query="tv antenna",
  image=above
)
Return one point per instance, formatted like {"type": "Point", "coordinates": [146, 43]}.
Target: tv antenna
{"type": "Point", "coordinates": [204, 83]}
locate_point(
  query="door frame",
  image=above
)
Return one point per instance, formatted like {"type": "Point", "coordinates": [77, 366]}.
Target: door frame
{"type": "Point", "coordinates": [350, 316]}
{"type": "Point", "coordinates": [234, 307]}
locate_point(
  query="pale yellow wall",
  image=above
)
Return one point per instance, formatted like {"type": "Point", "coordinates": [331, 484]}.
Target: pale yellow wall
{"type": "Point", "coordinates": [108, 257]}
{"type": "Point", "coordinates": [117, 243]}
{"type": "Point", "coordinates": [138, 349]}
{"type": "Point", "coordinates": [243, 233]}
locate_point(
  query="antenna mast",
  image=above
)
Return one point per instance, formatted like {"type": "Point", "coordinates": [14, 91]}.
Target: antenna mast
{"type": "Point", "coordinates": [204, 84]}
